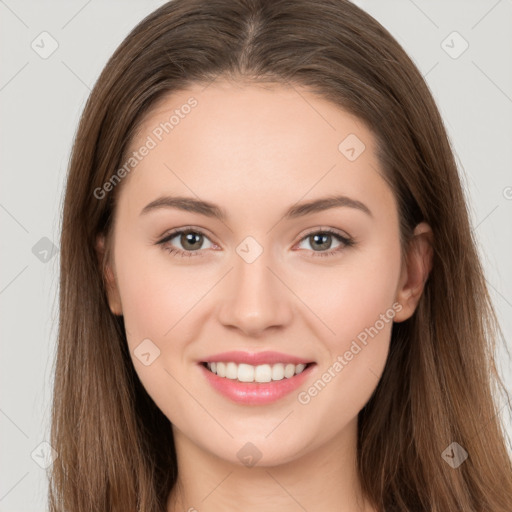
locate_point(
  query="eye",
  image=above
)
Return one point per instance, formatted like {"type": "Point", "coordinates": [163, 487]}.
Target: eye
{"type": "Point", "coordinates": [191, 241]}
{"type": "Point", "coordinates": [323, 240]}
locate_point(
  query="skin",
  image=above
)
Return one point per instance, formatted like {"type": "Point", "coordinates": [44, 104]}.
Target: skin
{"type": "Point", "coordinates": [256, 150]}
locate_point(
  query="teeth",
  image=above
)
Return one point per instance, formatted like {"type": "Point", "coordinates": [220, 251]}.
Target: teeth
{"type": "Point", "coordinates": [261, 373]}
{"type": "Point", "coordinates": [231, 371]}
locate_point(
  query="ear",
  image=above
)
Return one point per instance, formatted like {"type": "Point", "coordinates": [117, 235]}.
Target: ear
{"type": "Point", "coordinates": [415, 271]}
{"type": "Point", "coordinates": [114, 298]}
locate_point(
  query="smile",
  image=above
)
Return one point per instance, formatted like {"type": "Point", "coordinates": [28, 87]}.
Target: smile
{"type": "Point", "coordinates": [260, 373]}
{"type": "Point", "coordinates": [263, 383]}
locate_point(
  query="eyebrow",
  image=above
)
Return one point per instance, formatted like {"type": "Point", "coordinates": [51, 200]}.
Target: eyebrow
{"type": "Point", "coordinates": [208, 209]}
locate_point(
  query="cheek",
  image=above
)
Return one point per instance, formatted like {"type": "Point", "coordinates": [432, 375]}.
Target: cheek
{"type": "Point", "coordinates": [147, 306]}
{"type": "Point", "coordinates": [362, 310]}
{"type": "Point", "coordinates": [155, 308]}
{"type": "Point", "coordinates": [350, 298]}
{"type": "Point", "coordinates": [152, 299]}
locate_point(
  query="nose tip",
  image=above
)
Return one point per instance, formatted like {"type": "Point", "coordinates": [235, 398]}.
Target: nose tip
{"type": "Point", "coordinates": [255, 300]}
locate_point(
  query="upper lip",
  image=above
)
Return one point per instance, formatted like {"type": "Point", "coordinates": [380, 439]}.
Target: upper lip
{"type": "Point", "coordinates": [255, 358]}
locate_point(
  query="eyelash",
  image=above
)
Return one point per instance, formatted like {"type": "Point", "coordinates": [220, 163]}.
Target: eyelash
{"type": "Point", "coordinates": [347, 242]}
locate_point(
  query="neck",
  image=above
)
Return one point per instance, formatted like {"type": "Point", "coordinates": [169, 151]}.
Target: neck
{"type": "Point", "coordinates": [324, 479]}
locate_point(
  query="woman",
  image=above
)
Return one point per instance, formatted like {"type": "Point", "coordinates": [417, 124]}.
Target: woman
{"type": "Point", "coordinates": [270, 295]}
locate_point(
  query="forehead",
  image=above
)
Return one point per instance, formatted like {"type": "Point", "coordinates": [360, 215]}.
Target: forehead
{"type": "Point", "coordinates": [252, 144]}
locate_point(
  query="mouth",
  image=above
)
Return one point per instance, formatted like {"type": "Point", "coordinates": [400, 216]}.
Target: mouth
{"type": "Point", "coordinates": [257, 374]}
{"type": "Point", "coordinates": [258, 385]}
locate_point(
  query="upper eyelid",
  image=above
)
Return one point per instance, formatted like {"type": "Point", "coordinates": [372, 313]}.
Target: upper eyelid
{"type": "Point", "coordinates": [172, 233]}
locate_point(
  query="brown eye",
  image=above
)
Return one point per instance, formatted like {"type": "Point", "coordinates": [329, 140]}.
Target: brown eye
{"type": "Point", "coordinates": [185, 242]}
{"type": "Point", "coordinates": [191, 240]}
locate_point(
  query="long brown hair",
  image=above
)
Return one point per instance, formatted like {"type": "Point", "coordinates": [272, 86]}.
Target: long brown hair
{"type": "Point", "coordinates": [440, 384]}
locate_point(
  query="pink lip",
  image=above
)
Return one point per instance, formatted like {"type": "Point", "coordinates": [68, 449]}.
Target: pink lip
{"type": "Point", "coordinates": [255, 393]}
{"type": "Point", "coordinates": [255, 359]}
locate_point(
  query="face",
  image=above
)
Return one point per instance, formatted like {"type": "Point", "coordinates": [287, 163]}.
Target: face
{"type": "Point", "coordinates": [318, 284]}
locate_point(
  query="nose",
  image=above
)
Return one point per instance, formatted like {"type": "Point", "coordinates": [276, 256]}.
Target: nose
{"type": "Point", "coordinates": [255, 298]}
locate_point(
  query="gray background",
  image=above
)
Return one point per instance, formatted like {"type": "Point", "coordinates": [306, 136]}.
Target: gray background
{"type": "Point", "coordinates": [41, 100]}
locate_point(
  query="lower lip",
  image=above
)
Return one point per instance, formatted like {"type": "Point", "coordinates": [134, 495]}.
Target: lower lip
{"type": "Point", "coordinates": [256, 393]}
